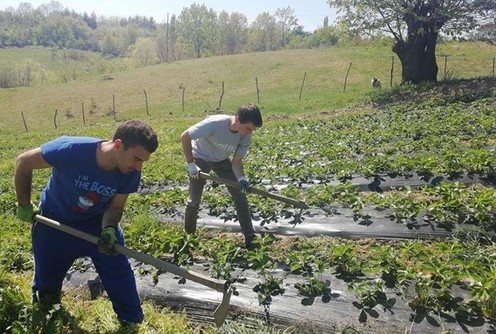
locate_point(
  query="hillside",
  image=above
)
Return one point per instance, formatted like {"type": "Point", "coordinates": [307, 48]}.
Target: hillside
{"type": "Point", "coordinates": [279, 75]}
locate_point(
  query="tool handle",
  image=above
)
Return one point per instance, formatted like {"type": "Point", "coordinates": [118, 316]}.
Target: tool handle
{"type": "Point", "coordinates": [253, 190]}
{"type": "Point", "coordinates": [213, 283]}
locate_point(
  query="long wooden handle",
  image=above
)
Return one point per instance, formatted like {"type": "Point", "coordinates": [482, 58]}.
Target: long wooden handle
{"type": "Point", "coordinates": [213, 283]}
{"type": "Point", "coordinates": [253, 190]}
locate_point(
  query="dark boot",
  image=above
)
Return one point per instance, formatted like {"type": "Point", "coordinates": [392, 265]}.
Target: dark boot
{"type": "Point", "coordinates": [128, 327]}
{"type": "Point", "coordinates": [190, 218]}
{"type": "Point", "coordinates": [252, 242]}
{"type": "Point", "coordinates": [46, 300]}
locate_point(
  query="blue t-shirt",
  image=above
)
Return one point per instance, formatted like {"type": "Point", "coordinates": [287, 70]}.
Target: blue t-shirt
{"type": "Point", "coordinates": [78, 190]}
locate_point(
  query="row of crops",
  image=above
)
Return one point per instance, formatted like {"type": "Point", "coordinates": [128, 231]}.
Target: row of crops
{"type": "Point", "coordinates": [303, 158]}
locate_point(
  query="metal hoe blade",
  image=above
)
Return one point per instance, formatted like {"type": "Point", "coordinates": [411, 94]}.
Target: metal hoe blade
{"type": "Point", "coordinates": [222, 310]}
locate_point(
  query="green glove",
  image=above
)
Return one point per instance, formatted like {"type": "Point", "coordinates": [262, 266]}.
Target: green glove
{"type": "Point", "coordinates": [26, 213]}
{"type": "Point", "coordinates": [107, 241]}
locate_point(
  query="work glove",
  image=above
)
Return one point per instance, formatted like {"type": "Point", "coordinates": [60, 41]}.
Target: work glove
{"type": "Point", "coordinates": [107, 241]}
{"type": "Point", "coordinates": [193, 170]}
{"type": "Point", "coordinates": [27, 213]}
{"type": "Point", "coordinates": [244, 184]}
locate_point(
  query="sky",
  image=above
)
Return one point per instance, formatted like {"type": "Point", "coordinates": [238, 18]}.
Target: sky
{"type": "Point", "coordinates": [310, 13]}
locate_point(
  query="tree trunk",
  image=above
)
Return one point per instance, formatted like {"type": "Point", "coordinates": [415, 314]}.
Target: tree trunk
{"type": "Point", "coordinates": [418, 55]}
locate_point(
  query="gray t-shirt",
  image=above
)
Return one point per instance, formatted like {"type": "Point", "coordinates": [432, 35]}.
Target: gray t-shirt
{"type": "Point", "coordinates": [213, 141]}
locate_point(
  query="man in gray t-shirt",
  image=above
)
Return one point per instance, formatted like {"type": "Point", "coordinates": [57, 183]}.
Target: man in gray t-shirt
{"type": "Point", "coordinates": [208, 146]}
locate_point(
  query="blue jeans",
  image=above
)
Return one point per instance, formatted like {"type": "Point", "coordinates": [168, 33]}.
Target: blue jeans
{"type": "Point", "coordinates": [55, 252]}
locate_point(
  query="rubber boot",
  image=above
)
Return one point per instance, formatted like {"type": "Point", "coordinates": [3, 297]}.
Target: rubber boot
{"type": "Point", "coordinates": [252, 241]}
{"type": "Point", "coordinates": [190, 218]}
{"type": "Point", "coordinates": [46, 300]}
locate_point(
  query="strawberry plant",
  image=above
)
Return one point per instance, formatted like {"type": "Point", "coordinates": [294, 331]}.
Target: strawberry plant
{"type": "Point", "coordinates": [303, 260]}
{"type": "Point", "coordinates": [224, 254]}
{"type": "Point", "coordinates": [181, 245]}
{"type": "Point", "coordinates": [319, 195]}
{"type": "Point", "coordinates": [385, 260]}
{"type": "Point", "coordinates": [376, 165]}
{"type": "Point", "coordinates": [216, 202]}
{"type": "Point", "coordinates": [259, 258]}
{"type": "Point", "coordinates": [350, 197]}
{"type": "Point", "coordinates": [314, 287]}
{"type": "Point", "coordinates": [369, 293]}
{"type": "Point", "coordinates": [345, 259]}
{"type": "Point", "coordinates": [267, 209]}
{"type": "Point", "coordinates": [166, 202]}
{"type": "Point", "coordinates": [269, 287]}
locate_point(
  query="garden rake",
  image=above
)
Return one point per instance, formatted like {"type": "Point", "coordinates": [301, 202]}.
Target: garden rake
{"type": "Point", "coordinates": [297, 203]}
{"type": "Point", "coordinates": [220, 312]}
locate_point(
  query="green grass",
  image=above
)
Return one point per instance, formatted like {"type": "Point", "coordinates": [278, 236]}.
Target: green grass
{"type": "Point", "coordinates": [279, 75]}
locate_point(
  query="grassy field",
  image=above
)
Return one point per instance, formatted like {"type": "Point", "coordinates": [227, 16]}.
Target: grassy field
{"type": "Point", "coordinates": [344, 137]}
{"type": "Point", "coordinates": [279, 75]}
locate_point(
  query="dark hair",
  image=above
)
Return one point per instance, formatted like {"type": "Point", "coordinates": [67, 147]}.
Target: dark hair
{"type": "Point", "coordinates": [137, 133]}
{"type": "Point", "coordinates": [249, 113]}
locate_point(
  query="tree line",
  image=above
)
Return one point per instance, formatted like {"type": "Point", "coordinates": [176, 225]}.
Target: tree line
{"type": "Point", "coordinates": [413, 27]}
{"type": "Point", "coordinates": [197, 31]}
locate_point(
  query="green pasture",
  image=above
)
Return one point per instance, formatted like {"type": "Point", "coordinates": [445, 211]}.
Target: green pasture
{"type": "Point", "coordinates": [279, 74]}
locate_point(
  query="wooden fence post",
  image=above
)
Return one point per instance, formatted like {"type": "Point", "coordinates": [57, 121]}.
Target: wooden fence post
{"type": "Point", "coordinates": [258, 92]}
{"type": "Point", "coordinates": [221, 96]}
{"type": "Point", "coordinates": [302, 83]}
{"type": "Point", "coordinates": [146, 103]}
{"type": "Point", "coordinates": [182, 99]}
{"type": "Point", "coordinates": [24, 121]}
{"type": "Point", "coordinates": [346, 78]}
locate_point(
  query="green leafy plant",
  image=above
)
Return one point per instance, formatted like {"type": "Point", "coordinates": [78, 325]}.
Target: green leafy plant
{"type": "Point", "coordinates": [369, 293]}
{"type": "Point", "coordinates": [267, 288]}
{"type": "Point", "coordinates": [314, 287]}
{"type": "Point", "coordinates": [224, 254]}
{"type": "Point", "coordinates": [345, 259]}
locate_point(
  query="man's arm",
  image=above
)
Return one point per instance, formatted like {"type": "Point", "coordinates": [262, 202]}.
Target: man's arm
{"type": "Point", "coordinates": [193, 169]}
{"type": "Point", "coordinates": [237, 166]}
{"type": "Point", "coordinates": [23, 178]}
{"type": "Point", "coordinates": [113, 214]}
{"type": "Point", "coordinates": [187, 147]}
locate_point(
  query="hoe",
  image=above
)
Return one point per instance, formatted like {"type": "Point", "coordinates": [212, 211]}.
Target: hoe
{"type": "Point", "coordinates": [299, 204]}
{"type": "Point", "coordinates": [220, 312]}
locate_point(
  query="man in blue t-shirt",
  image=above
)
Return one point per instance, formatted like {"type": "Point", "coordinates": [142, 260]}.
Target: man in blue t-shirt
{"type": "Point", "coordinates": [208, 145]}
{"type": "Point", "coordinates": [88, 188]}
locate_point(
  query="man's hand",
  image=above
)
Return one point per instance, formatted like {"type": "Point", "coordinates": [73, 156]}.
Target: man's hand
{"type": "Point", "coordinates": [244, 184]}
{"type": "Point", "coordinates": [193, 170]}
{"type": "Point", "coordinates": [107, 241]}
{"type": "Point", "coordinates": [26, 213]}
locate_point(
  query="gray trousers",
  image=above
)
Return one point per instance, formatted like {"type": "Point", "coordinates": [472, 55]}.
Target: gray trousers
{"type": "Point", "coordinates": [224, 170]}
